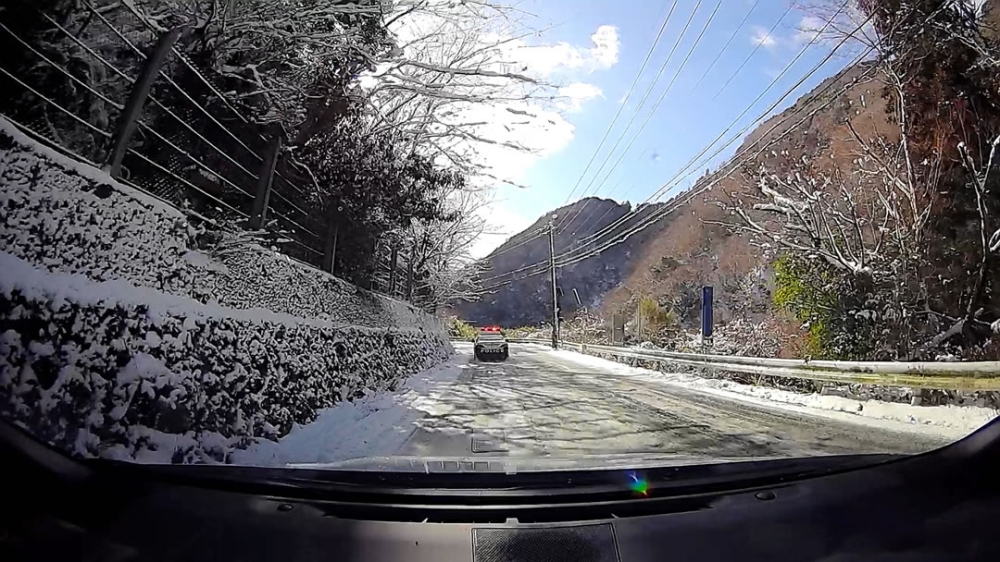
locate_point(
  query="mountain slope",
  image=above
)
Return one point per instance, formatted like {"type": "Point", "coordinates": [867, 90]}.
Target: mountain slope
{"type": "Point", "coordinates": [688, 246]}
{"type": "Point", "coordinates": [695, 249]}
{"type": "Point", "coordinates": [520, 296]}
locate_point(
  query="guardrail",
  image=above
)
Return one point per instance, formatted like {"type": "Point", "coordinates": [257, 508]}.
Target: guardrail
{"type": "Point", "coordinates": [970, 376]}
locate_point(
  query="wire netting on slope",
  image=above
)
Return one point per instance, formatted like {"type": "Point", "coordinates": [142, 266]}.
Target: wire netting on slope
{"type": "Point", "coordinates": [58, 88]}
{"type": "Point", "coordinates": [197, 143]}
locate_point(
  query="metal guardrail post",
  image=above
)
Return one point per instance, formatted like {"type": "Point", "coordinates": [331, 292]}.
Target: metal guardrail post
{"type": "Point", "coordinates": [128, 120]}
{"type": "Point", "coordinates": [264, 181]}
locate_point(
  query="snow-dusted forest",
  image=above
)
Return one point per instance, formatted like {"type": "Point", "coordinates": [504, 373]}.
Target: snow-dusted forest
{"type": "Point", "coordinates": [386, 111]}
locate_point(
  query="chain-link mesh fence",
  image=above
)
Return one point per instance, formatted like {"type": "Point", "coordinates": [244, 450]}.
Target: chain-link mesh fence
{"type": "Point", "coordinates": [68, 80]}
{"type": "Point", "coordinates": [63, 79]}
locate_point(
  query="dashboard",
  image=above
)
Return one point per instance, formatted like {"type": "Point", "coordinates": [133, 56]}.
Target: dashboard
{"type": "Point", "coordinates": [941, 505]}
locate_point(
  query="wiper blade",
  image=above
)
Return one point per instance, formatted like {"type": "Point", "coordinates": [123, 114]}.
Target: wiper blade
{"type": "Point", "coordinates": [663, 480]}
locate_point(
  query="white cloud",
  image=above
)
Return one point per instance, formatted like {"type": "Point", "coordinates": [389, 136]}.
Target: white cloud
{"type": "Point", "coordinates": [542, 132]}
{"type": "Point", "coordinates": [762, 37]}
{"type": "Point", "coordinates": [606, 46]}
{"type": "Point", "coordinates": [561, 57]}
{"type": "Point", "coordinates": [576, 94]}
{"type": "Point", "coordinates": [809, 28]}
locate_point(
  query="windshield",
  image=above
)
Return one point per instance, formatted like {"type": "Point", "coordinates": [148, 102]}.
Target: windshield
{"type": "Point", "coordinates": [692, 219]}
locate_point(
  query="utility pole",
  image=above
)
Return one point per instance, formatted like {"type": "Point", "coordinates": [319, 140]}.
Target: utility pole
{"type": "Point", "coordinates": [555, 296]}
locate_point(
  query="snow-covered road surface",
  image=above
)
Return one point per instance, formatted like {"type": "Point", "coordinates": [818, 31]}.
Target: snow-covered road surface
{"type": "Point", "coordinates": [562, 405]}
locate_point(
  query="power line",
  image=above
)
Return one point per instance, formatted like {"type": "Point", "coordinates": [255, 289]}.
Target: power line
{"type": "Point", "coordinates": [628, 94]}
{"type": "Point", "coordinates": [641, 103]}
{"type": "Point", "coordinates": [656, 215]}
{"type": "Point", "coordinates": [633, 185]}
{"type": "Point", "coordinates": [759, 45]}
{"type": "Point", "coordinates": [537, 268]}
{"type": "Point", "coordinates": [724, 47]}
{"type": "Point", "coordinates": [570, 260]}
{"type": "Point", "coordinates": [826, 59]}
{"type": "Point", "coordinates": [708, 69]}
{"type": "Point", "coordinates": [537, 234]}
{"type": "Point", "coordinates": [649, 115]}
{"type": "Point", "coordinates": [735, 121]}
{"type": "Point", "coordinates": [519, 270]}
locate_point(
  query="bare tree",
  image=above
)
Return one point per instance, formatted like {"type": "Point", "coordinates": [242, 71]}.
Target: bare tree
{"type": "Point", "coordinates": [852, 19]}
{"type": "Point", "coordinates": [451, 77]}
{"type": "Point", "coordinates": [871, 223]}
{"type": "Point", "coordinates": [284, 59]}
{"type": "Point", "coordinates": [847, 19]}
{"type": "Point", "coordinates": [439, 252]}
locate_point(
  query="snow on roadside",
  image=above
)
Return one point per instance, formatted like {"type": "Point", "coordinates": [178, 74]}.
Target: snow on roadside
{"type": "Point", "coordinates": [952, 422]}
{"type": "Point", "coordinates": [376, 425]}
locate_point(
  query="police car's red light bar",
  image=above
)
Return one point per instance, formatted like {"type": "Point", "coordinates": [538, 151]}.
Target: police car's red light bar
{"type": "Point", "coordinates": [491, 328]}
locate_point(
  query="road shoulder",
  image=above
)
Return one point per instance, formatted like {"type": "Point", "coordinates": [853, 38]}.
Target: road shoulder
{"type": "Point", "coordinates": [946, 422]}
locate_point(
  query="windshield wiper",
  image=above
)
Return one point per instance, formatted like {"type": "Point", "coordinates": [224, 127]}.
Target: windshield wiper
{"type": "Point", "coordinates": [685, 479]}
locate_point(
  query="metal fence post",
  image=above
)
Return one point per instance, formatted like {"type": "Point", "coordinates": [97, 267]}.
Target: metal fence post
{"type": "Point", "coordinates": [264, 181]}
{"type": "Point", "coordinates": [393, 260]}
{"type": "Point", "coordinates": [372, 281]}
{"type": "Point", "coordinates": [409, 274]}
{"type": "Point", "coordinates": [330, 248]}
{"type": "Point", "coordinates": [128, 120]}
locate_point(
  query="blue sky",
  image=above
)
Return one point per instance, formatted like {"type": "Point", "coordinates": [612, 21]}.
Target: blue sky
{"type": "Point", "coordinates": [687, 120]}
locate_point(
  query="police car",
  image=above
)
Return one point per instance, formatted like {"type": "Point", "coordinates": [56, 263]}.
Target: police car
{"type": "Point", "coordinates": [491, 345]}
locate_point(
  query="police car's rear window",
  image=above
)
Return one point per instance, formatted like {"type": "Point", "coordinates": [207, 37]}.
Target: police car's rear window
{"type": "Point", "coordinates": [490, 336]}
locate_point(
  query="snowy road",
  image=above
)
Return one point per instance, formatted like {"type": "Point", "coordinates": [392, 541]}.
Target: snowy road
{"type": "Point", "coordinates": [565, 406]}
{"type": "Point", "coordinates": [540, 403]}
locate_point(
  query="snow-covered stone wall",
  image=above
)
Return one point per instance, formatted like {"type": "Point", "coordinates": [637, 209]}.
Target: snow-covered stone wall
{"type": "Point", "coordinates": [113, 370]}
{"type": "Point", "coordinates": [122, 334]}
